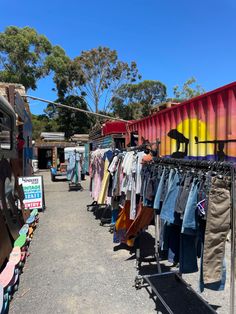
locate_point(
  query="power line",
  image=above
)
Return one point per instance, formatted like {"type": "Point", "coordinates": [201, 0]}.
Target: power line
{"type": "Point", "coordinates": [76, 109]}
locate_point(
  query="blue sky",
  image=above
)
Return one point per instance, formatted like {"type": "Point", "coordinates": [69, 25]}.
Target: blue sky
{"type": "Point", "coordinates": [170, 40]}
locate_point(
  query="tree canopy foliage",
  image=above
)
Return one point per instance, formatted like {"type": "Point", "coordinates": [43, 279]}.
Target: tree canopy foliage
{"type": "Point", "coordinates": [70, 121]}
{"type": "Point", "coordinates": [133, 101]}
{"type": "Point", "coordinates": [96, 74]}
{"type": "Point", "coordinates": [42, 123]}
{"type": "Point", "coordinates": [189, 90]}
{"type": "Point", "coordinates": [26, 56]}
{"type": "Point", "coordinates": [74, 122]}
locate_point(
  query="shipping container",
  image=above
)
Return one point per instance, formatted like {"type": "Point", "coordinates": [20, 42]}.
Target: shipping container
{"type": "Point", "coordinates": [110, 141]}
{"type": "Point", "coordinates": [110, 134]}
{"type": "Point", "coordinates": [203, 127]}
{"type": "Point", "coordinates": [113, 127]}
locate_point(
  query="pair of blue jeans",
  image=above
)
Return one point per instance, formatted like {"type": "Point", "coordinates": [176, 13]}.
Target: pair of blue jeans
{"type": "Point", "coordinates": [189, 225]}
{"type": "Point", "coordinates": [189, 236]}
{"type": "Point", "coordinates": [168, 207]}
{"type": "Point", "coordinates": [157, 200]}
{"type": "Point", "coordinates": [188, 254]}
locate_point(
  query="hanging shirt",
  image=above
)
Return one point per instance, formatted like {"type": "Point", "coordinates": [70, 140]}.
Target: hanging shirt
{"type": "Point", "coordinates": [127, 171]}
{"type": "Point", "coordinates": [138, 172]}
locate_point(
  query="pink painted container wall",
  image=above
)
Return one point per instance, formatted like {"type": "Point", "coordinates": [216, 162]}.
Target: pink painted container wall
{"type": "Point", "coordinates": [202, 127]}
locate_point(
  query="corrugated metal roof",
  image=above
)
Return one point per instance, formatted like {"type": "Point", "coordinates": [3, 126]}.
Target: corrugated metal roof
{"type": "Point", "coordinates": [53, 136]}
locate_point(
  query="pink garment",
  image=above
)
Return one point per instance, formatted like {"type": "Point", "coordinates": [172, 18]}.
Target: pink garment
{"type": "Point", "coordinates": [99, 171]}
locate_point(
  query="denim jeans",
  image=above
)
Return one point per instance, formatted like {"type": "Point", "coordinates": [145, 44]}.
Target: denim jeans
{"type": "Point", "coordinates": [168, 207]}
{"type": "Point", "coordinates": [181, 186]}
{"type": "Point", "coordinates": [144, 187]}
{"type": "Point", "coordinates": [144, 175]}
{"type": "Point", "coordinates": [152, 184]}
{"type": "Point", "coordinates": [204, 187]}
{"type": "Point", "coordinates": [174, 243]}
{"type": "Point", "coordinates": [114, 215]}
{"type": "Point", "coordinates": [185, 187]}
{"type": "Point", "coordinates": [167, 180]}
{"type": "Point", "coordinates": [190, 215]}
{"type": "Point", "coordinates": [188, 254]}
{"type": "Point", "coordinates": [157, 200]}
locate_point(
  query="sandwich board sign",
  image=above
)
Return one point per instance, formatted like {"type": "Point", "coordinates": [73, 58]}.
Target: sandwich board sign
{"type": "Point", "coordinates": [34, 192]}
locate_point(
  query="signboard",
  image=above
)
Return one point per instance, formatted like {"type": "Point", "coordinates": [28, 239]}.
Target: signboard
{"type": "Point", "coordinates": [34, 192]}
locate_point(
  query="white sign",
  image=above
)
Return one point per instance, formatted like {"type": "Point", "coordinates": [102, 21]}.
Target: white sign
{"type": "Point", "coordinates": [33, 190]}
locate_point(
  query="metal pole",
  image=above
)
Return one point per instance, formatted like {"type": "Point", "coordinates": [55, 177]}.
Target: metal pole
{"type": "Point", "coordinates": [76, 109]}
{"type": "Point", "coordinates": [233, 225]}
{"type": "Point", "coordinates": [157, 241]}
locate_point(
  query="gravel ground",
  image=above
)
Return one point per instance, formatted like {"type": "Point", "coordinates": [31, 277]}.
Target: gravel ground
{"type": "Point", "coordinates": [74, 269]}
{"type": "Point", "coordinates": [220, 300]}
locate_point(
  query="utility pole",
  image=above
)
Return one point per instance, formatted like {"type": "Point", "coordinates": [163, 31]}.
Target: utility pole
{"type": "Point", "coordinates": [76, 109]}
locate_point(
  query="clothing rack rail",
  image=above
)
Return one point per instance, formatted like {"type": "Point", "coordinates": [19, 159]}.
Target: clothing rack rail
{"type": "Point", "coordinates": [207, 164]}
{"type": "Point", "coordinates": [221, 167]}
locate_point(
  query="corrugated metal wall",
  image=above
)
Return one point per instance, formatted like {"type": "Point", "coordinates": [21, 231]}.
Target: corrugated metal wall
{"type": "Point", "coordinates": [202, 127]}
{"type": "Point", "coordinates": [102, 142]}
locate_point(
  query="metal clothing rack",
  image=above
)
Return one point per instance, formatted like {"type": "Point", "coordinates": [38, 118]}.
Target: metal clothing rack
{"type": "Point", "coordinates": [144, 145]}
{"type": "Point", "coordinates": [210, 166]}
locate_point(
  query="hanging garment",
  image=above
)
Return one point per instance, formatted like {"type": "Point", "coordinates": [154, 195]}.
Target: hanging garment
{"type": "Point", "coordinates": [182, 198]}
{"type": "Point", "coordinates": [135, 175]}
{"type": "Point", "coordinates": [133, 198]}
{"type": "Point", "coordinates": [118, 178]}
{"type": "Point", "coordinates": [168, 207]}
{"type": "Point", "coordinates": [138, 172]}
{"type": "Point", "coordinates": [217, 228]}
{"type": "Point", "coordinates": [171, 241]}
{"type": "Point", "coordinates": [188, 254]}
{"type": "Point", "coordinates": [152, 184]}
{"type": "Point", "coordinates": [127, 166]}
{"type": "Point", "coordinates": [189, 237]}
{"type": "Point", "coordinates": [123, 223]}
{"type": "Point", "coordinates": [98, 177]}
{"type": "Point", "coordinates": [189, 217]}
{"type": "Point", "coordinates": [218, 285]}
{"type": "Point", "coordinates": [113, 165]}
{"type": "Point", "coordinates": [105, 181]}
{"type": "Point", "coordinates": [112, 170]}
{"type": "Point", "coordinates": [143, 219]}
{"type": "Point", "coordinates": [73, 167]}
{"type": "Point", "coordinates": [157, 200]}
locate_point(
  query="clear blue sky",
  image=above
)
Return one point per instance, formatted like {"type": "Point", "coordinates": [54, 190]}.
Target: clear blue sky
{"type": "Point", "coordinates": [170, 40]}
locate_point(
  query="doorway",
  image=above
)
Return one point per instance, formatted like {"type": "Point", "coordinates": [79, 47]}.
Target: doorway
{"type": "Point", "coordinates": [44, 158]}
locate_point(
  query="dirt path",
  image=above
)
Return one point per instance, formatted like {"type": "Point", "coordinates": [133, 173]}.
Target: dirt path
{"type": "Point", "coordinates": [72, 267]}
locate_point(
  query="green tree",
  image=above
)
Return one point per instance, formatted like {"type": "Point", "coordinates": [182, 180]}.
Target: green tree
{"type": "Point", "coordinates": [64, 71]}
{"type": "Point", "coordinates": [189, 90]}
{"type": "Point", "coordinates": [133, 101]}
{"type": "Point", "coordinates": [42, 123]}
{"type": "Point", "coordinates": [70, 121]}
{"type": "Point", "coordinates": [62, 119]}
{"type": "Point", "coordinates": [95, 75]}
{"type": "Point", "coordinates": [26, 56]}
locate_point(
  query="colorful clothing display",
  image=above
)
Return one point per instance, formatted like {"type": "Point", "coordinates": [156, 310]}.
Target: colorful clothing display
{"type": "Point", "coordinates": [193, 207]}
